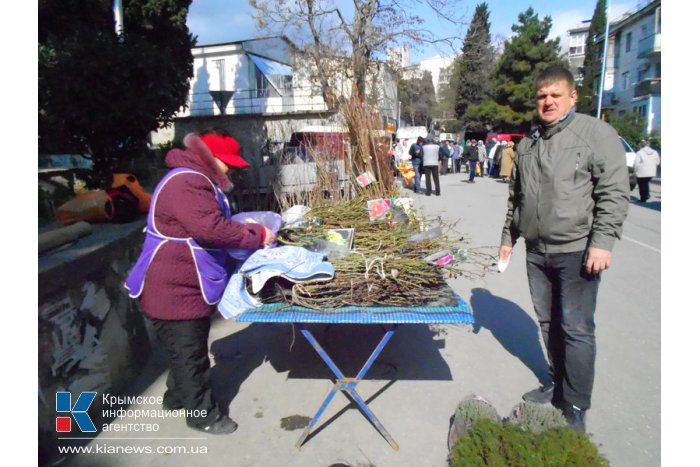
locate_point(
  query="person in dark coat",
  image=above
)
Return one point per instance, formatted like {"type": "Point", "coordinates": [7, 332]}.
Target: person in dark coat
{"type": "Point", "coordinates": [496, 173]}
{"type": "Point", "coordinates": [473, 158]}
{"type": "Point", "coordinates": [183, 267]}
{"type": "Point", "coordinates": [416, 153]}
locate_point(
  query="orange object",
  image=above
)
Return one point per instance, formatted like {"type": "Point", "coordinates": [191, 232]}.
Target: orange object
{"type": "Point", "coordinates": [407, 173]}
{"type": "Point", "coordinates": [91, 206]}
{"type": "Point", "coordinates": [132, 183]}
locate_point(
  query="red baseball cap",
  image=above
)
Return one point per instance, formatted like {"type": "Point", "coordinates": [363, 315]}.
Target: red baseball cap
{"type": "Point", "coordinates": [226, 149]}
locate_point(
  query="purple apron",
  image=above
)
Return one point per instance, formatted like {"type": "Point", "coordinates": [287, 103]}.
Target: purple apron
{"type": "Point", "coordinates": [210, 263]}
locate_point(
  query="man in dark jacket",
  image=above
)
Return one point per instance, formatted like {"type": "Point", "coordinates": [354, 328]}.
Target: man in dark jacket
{"type": "Point", "coordinates": [183, 268]}
{"type": "Point", "coordinates": [568, 200]}
{"type": "Point", "coordinates": [445, 155]}
{"type": "Point", "coordinates": [472, 158]}
{"type": "Point", "coordinates": [496, 172]}
{"type": "Point", "coordinates": [416, 153]}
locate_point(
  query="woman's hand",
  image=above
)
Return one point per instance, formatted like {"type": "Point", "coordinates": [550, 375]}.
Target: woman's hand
{"type": "Point", "coordinates": [270, 237]}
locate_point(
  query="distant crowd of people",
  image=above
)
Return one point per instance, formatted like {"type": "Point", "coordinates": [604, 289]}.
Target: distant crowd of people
{"type": "Point", "coordinates": [434, 158]}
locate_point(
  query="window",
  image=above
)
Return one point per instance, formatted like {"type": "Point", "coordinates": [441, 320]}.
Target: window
{"type": "Point", "coordinates": [626, 80]}
{"type": "Point", "coordinates": [621, 113]}
{"type": "Point", "coordinates": [261, 84]}
{"type": "Point", "coordinates": [658, 70]}
{"type": "Point", "coordinates": [628, 42]}
{"type": "Point", "coordinates": [658, 20]}
{"type": "Point", "coordinates": [577, 44]}
{"type": "Point", "coordinates": [640, 76]}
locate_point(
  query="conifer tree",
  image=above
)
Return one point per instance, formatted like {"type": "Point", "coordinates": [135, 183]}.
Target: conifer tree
{"type": "Point", "coordinates": [472, 67]}
{"type": "Point", "coordinates": [510, 102]}
{"type": "Point", "coordinates": [417, 96]}
{"type": "Point", "coordinates": [591, 62]}
{"type": "Point", "coordinates": [101, 93]}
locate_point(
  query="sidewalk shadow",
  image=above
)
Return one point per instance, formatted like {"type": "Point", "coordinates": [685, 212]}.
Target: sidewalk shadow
{"type": "Point", "coordinates": [654, 205]}
{"type": "Point", "coordinates": [513, 328]}
{"type": "Point", "coordinates": [413, 353]}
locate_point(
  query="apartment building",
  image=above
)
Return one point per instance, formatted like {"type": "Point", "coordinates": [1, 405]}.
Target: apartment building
{"type": "Point", "coordinates": [632, 78]}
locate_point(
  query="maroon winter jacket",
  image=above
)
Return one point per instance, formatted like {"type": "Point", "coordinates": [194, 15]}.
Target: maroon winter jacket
{"type": "Point", "coordinates": [187, 207]}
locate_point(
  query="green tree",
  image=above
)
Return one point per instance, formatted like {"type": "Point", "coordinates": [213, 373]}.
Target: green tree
{"type": "Point", "coordinates": [630, 126]}
{"type": "Point", "coordinates": [417, 97]}
{"type": "Point", "coordinates": [591, 63]}
{"type": "Point", "coordinates": [100, 93]}
{"type": "Point", "coordinates": [510, 101]}
{"type": "Point", "coordinates": [472, 67]}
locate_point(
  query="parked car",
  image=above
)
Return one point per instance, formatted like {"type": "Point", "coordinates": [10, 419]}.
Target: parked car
{"type": "Point", "coordinates": [514, 137]}
{"type": "Point", "coordinates": [629, 156]}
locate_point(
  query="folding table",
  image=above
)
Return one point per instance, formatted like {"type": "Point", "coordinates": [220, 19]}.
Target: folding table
{"type": "Point", "coordinates": [391, 316]}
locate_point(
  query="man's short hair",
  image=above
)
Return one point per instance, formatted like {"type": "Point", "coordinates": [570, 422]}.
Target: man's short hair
{"type": "Point", "coordinates": [552, 74]}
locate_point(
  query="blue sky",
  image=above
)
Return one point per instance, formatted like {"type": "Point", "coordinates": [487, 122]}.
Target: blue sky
{"type": "Point", "coordinates": [215, 21]}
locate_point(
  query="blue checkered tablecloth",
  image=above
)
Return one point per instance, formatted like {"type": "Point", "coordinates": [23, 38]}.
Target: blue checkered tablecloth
{"type": "Point", "coordinates": [282, 313]}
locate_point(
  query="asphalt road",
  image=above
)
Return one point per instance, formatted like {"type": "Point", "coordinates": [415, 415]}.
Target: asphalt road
{"type": "Point", "coordinates": [271, 378]}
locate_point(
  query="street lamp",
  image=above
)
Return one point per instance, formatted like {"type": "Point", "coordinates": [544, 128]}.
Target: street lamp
{"type": "Point", "coordinates": [605, 54]}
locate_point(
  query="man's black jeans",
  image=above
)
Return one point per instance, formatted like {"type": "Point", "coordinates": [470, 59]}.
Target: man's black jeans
{"type": "Point", "coordinates": [643, 183]}
{"type": "Point", "coordinates": [564, 297]}
{"type": "Point", "coordinates": [187, 349]}
{"type": "Point", "coordinates": [431, 170]}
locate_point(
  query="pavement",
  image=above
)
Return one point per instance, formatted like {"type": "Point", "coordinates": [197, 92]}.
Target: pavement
{"type": "Point", "coordinates": [272, 380]}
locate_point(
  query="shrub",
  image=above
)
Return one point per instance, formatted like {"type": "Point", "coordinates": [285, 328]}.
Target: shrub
{"type": "Point", "coordinates": [490, 443]}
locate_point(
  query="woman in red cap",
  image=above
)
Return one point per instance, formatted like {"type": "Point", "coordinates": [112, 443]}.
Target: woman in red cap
{"type": "Point", "coordinates": [183, 268]}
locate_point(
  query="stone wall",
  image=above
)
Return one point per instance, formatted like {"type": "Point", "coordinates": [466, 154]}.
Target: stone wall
{"type": "Point", "coordinates": [92, 336]}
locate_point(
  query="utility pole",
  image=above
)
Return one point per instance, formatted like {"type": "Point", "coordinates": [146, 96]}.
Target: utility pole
{"type": "Point", "coordinates": [605, 54]}
{"type": "Point", "coordinates": [118, 17]}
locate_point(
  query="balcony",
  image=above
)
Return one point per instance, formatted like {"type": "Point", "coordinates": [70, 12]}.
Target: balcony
{"type": "Point", "coordinates": [649, 45]}
{"type": "Point", "coordinates": [648, 86]}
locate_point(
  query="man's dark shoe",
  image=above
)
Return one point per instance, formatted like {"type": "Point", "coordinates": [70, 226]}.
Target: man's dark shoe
{"type": "Point", "coordinates": [222, 426]}
{"type": "Point", "coordinates": [576, 418]}
{"type": "Point", "coordinates": [167, 405]}
{"type": "Point", "coordinates": [171, 402]}
{"type": "Point", "coordinates": [541, 395]}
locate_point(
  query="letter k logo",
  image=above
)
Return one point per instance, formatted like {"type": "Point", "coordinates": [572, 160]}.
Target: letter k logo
{"type": "Point", "coordinates": [79, 411]}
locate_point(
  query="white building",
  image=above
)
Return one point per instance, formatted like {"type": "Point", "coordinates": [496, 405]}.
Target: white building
{"type": "Point", "coordinates": [266, 86]}
{"type": "Point", "coordinates": [632, 80]}
{"type": "Point", "coordinates": [576, 51]}
{"type": "Point", "coordinates": [438, 67]}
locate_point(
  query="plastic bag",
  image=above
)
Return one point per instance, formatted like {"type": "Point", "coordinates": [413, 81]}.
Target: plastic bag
{"type": "Point", "coordinates": [295, 213]}
{"type": "Point", "coordinates": [269, 219]}
{"type": "Point", "coordinates": [91, 206]}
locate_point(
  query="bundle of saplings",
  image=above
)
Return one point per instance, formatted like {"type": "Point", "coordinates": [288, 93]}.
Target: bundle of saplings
{"type": "Point", "coordinates": [399, 260]}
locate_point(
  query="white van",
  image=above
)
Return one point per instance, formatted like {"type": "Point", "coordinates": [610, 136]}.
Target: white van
{"type": "Point", "coordinates": [629, 158]}
{"type": "Point", "coordinates": [411, 133]}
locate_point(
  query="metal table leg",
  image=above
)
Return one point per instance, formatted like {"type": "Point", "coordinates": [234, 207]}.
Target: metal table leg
{"type": "Point", "coordinates": [348, 385]}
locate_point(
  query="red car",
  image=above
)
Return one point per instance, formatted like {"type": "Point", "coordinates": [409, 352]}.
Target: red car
{"type": "Point", "coordinates": [514, 137]}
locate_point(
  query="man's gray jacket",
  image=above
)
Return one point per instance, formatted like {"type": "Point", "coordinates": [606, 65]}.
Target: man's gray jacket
{"type": "Point", "coordinates": [571, 187]}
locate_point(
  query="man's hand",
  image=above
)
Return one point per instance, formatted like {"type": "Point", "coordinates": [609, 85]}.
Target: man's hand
{"type": "Point", "coordinates": [270, 237]}
{"type": "Point", "coordinates": [597, 260]}
{"type": "Point", "coordinates": [504, 252]}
